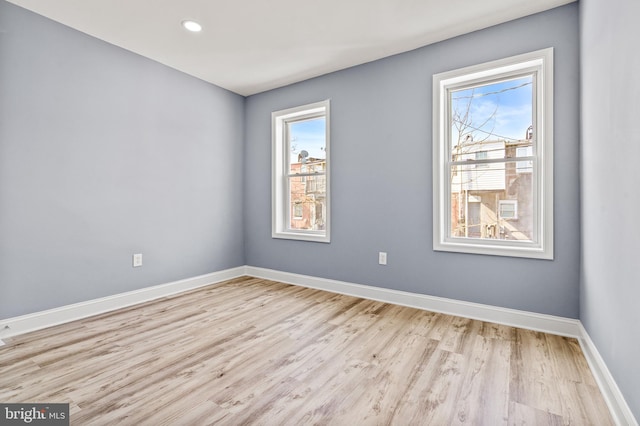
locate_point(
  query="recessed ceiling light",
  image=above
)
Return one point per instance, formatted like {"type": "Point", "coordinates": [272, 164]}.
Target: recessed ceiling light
{"type": "Point", "coordinates": [192, 26]}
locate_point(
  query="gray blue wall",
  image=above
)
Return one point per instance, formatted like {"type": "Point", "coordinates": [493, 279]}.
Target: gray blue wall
{"type": "Point", "coordinates": [382, 175]}
{"type": "Point", "coordinates": [103, 154]}
{"type": "Point", "coordinates": [610, 191]}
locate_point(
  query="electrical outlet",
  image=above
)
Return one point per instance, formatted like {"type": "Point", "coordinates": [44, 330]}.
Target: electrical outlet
{"type": "Point", "coordinates": [382, 258]}
{"type": "Point", "coordinates": [137, 260]}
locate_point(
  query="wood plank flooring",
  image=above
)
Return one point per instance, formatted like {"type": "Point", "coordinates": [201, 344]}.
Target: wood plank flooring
{"type": "Point", "coordinates": [250, 351]}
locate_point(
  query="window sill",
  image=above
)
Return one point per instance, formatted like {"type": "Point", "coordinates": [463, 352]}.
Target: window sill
{"type": "Point", "coordinates": [494, 248]}
{"type": "Point", "coordinates": [302, 236]}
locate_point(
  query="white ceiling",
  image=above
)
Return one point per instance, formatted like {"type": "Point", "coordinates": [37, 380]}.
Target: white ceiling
{"type": "Point", "coordinates": [249, 46]}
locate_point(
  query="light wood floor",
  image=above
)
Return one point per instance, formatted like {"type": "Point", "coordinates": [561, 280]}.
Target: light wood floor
{"type": "Point", "coordinates": [252, 351]}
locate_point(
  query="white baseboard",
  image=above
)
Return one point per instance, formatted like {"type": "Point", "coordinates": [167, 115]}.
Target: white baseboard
{"type": "Point", "coordinates": [529, 320]}
{"type": "Point", "coordinates": [615, 400]}
{"type": "Point", "coordinates": [39, 320]}
{"type": "Point", "coordinates": [539, 322]}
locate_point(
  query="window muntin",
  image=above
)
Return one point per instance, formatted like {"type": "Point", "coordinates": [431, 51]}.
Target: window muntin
{"type": "Point", "coordinates": [300, 193]}
{"type": "Point", "coordinates": [493, 151]}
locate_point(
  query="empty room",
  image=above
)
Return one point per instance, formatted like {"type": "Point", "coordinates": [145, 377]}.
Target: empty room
{"type": "Point", "coordinates": [389, 212]}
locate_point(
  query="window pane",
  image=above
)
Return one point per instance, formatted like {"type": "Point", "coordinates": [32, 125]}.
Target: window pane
{"type": "Point", "coordinates": [307, 144]}
{"type": "Point", "coordinates": [491, 118]}
{"type": "Point", "coordinates": [307, 195]}
{"type": "Point", "coordinates": [495, 202]}
{"type": "Point", "coordinates": [492, 122]}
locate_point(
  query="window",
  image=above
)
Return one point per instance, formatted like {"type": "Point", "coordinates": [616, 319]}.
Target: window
{"type": "Point", "coordinates": [300, 167]}
{"type": "Point", "coordinates": [493, 157]}
{"type": "Point", "coordinates": [527, 165]}
{"type": "Point", "coordinates": [481, 155]}
{"type": "Point", "coordinates": [508, 209]}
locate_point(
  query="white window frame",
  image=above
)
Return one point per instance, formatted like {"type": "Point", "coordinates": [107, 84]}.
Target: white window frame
{"type": "Point", "coordinates": [540, 63]}
{"type": "Point", "coordinates": [280, 203]}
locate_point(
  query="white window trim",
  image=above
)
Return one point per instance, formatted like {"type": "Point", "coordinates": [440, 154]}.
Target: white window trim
{"type": "Point", "coordinates": [279, 205]}
{"type": "Point", "coordinates": [542, 62]}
